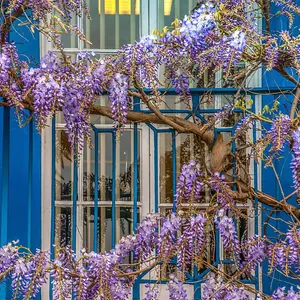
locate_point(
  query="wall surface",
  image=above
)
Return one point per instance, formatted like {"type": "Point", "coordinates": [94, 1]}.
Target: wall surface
{"type": "Point", "coordinates": [20, 166]}
{"type": "Point", "coordinates": [282, 166]}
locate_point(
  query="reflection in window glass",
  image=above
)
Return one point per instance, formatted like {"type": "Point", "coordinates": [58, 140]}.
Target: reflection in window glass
{"type": "Point", "coordinates": [188, 147]}
{"type": "Point", "coordinates": [69, 39]}
{"type": "Point", "coordinates": [63, 226]}
{"type": "Point", "coordinates": [125, 160]}
{"type": "Point", "coordinates": [124, 226]}
{"type": "Point", "coordinates": [169, 10]}
{"type": "Point", "coordinates": [104, 229]}
{"type": "Point", "coordinates": [109, 28]}
{"type": "Point", "coordinates": [165, 168]}
{"type": "Point", "coordinates": [64, 167]}
{"type": "Point", "coordinates": [124, 168]}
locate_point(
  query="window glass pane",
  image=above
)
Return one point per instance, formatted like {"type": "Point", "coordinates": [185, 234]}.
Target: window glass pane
{"type": "Point", "coordinates": [89, 170]}
{"type": "Point", "coordinates": [69, 39]}
{"type": "Point", "coordinates": [165, 168]}
{"type": "Point", "coordinates": [105, 167]}
{"type": "Point", "coordinates": [174, 9]}
{"type": "Point", "coordinates": [64, 167]}
{"type": "Point", "coordinates": [63, 226]}
{"type": "Point", "coordinates": [125, 167]}
{"type": "Point", "coordinates": [104, 230]}
{"type": "Point", "coordinates": [114, 23]}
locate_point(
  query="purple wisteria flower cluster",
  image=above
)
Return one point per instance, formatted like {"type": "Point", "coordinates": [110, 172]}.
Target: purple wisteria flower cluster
{"type": "Point", "coordinates": [214, 288]}
{"type": "Point", "coordinates": [281, 294]}
{"type": "Point", "coordinates": [176, 289]}
{"type": "Point", "coordinates": [191, 241]}
{"type": "Point", "coordinates": [228, 233]}
{"type": "Point", "coordinates": [103, 275]}
{"type": "Point", "coordinates": [272, 53]}
{"type": "Point", "coordinates": [280, 133]}
{"type": "Point", "coordinates": [285, 255]}
{"type": "Point", "coordinates": [69, 88]}
{"type": "Point", "coordinates": [189, 184]}
{"type": "Point", "coordinates": [152, 293]}
{"type": "Point", "coordinates": [295, 164]}
{"type": "Point", "coordinates": [119, 99]}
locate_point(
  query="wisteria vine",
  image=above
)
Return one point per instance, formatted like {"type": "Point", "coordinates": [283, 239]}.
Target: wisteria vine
{"type": "Point", "coordinates": [216, 38]}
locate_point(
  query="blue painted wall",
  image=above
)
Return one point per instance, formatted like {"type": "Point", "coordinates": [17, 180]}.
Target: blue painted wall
{"type": "Point", "coordinates": [269, 183]}
{"type": "Point", "coordinates": [20, 168]}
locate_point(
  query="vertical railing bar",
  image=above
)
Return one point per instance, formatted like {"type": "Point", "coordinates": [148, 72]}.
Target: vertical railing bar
{"type": "Point", "coordinates": [5, 185]}
{"type": "Point", "coordinates": [255, 170]}
{"type": "Point", "coordinates": [53, 187]}
{"type": "Point", "coordinates": [74, 207]}
{"type": "Point", "coordinates": [155, 172]}
{"type": "Point", "coordinates": [53, 195]}
{"type": "Point", "coordinates": [174, 169]}
{"type": "Point", "coordinates": [5, 174]}
{"type": "Point", "coordinates": [113, 209]}
{"type": "Point", "coordinates": [96, 193]}
{"type": "Point", "coordinates": [30, 191]}
{"type": "Point", "coordinates": [135, 176]}
{"type": "Point", "coordinates": [233, 149]}
{"type": "Point", "coordinates": [255, 188]}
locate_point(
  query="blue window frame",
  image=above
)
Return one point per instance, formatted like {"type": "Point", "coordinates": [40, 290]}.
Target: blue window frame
{"type": "Point", "coordinates": [158, 135]}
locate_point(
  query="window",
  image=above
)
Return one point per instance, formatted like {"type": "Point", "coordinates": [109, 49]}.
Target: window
{"type": "Point", "coordinates": [114, 23]}
{"type": "Point", "coordinates": [120, 180]}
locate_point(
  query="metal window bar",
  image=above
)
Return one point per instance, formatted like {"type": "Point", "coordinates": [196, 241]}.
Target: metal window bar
{"type": "Point", "coordinates": [196, 93]}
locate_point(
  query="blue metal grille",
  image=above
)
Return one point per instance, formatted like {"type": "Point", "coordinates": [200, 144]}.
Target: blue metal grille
{"type": "Point", "coordinates": [197, 277]}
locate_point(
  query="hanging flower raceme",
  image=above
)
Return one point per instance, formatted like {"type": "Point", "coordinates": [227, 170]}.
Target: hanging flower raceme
{"type": "Point", "coordinates": [280, 133]}
{"type": "Point", "coordinates": [224, 196]}
{"type": "Point", "coordinates": [146, 237]}
{"type": "Point", "coordinates": [189, 186]}
{"type": "Point", "coordinates": [61, 270]}
{"type": "Point", "coordinates": [8, 257]}
{"type": "Point", "coordinates": [272, 53]}
{"type": "Point", "coordinates": [254, 252]}
{"type": "Point", "coordinates": [293, 238]}
{"type": "Point", "coordinates": [118, 95]}
{"type": "Point", "coordinates": [45, 93]}
{"type": "Point", "coordinates": [176, 289]}
{"type": "Point", "coordinates": [195, 27]}
{"type": "Point", "coordinates": [295, 164]}
{"type": "Point", "coordinates": [281, 294]}
{"type": "Point", "coordinates": [285, 255]}
{"type": "Point", "coordinates": [238, 41]}
{"type": "Point", "coordinates": [152, 292]}
{"type": "Point", "coordinates": [228, 233]}
{"type": "Point", "coordinates": [4, 67]}
{"type": "Point", "coordinates": [215, 288]}
{"type": "Point", "coordinates": [29, 276]}
{"type": "Point", "coordinates": [167, 236]}
{"type": "Point", "coordinates": [191, 241]}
